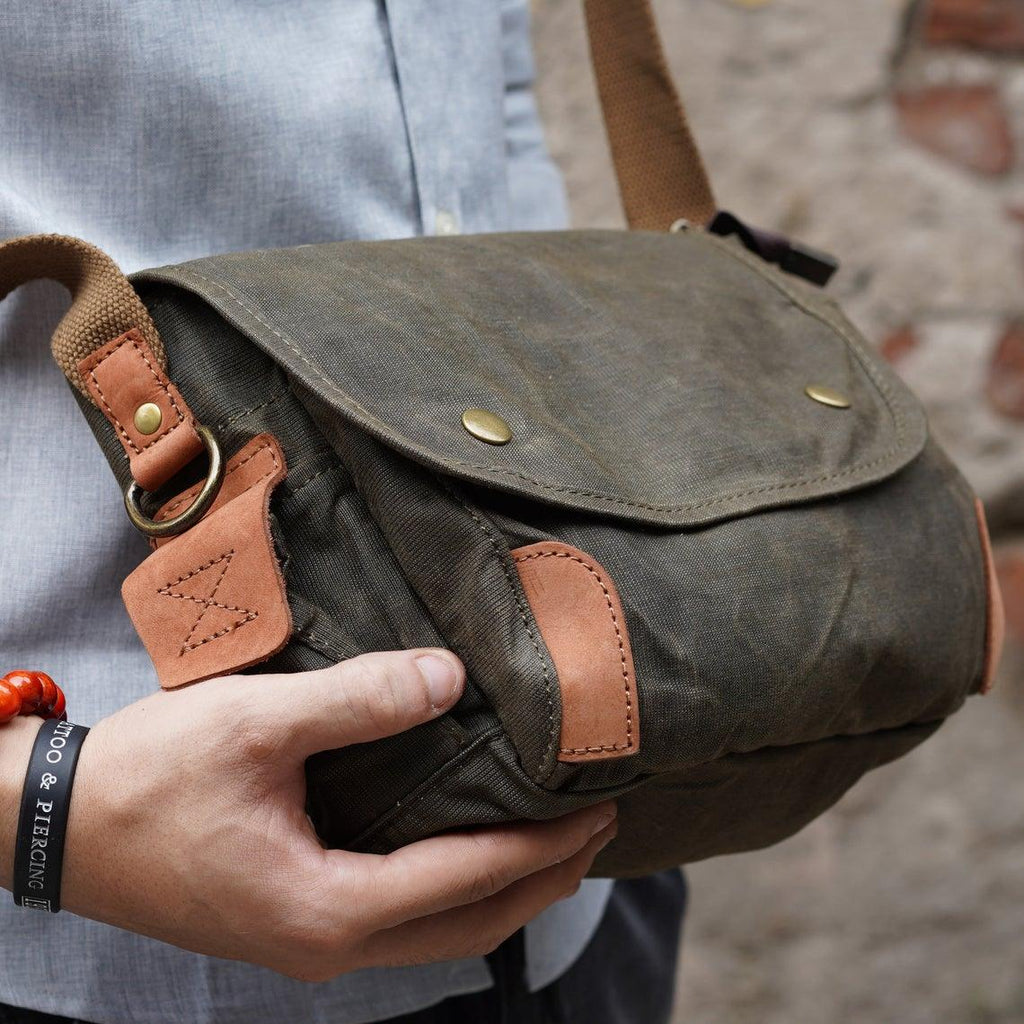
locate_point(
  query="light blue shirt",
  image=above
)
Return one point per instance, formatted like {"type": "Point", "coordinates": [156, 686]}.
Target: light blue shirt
{"type": "Point", "coordinates": [163, 130]}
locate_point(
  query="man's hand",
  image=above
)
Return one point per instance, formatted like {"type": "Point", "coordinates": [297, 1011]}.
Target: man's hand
{"type": "Point", "coordinates": [188, 824]}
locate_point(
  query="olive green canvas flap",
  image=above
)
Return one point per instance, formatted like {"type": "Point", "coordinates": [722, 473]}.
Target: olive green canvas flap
{"type": "Point", "coordinates": [655, 377]}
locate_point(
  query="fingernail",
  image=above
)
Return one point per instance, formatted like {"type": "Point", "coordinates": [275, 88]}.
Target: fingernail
{"type": "Point", "coordinates": [442, 678]}
{"type": "Point", "coordinates": [603, 822]}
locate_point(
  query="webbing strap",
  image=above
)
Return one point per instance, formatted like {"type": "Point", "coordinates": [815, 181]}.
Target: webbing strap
{"type": "Point", "coordinates": [660, 172]}
{"type": "Point", "coordinates": [103, 306]}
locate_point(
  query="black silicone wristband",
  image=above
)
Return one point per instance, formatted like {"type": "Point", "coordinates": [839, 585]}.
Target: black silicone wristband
{"type": "Point", "coordinates": [43, 822]}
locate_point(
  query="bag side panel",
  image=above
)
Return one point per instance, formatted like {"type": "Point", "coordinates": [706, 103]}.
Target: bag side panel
{"type": "Point", "coordinates": [842, 617]}
{"type": "Point", "coordinates": [744, 801]}
{"type": "Point", "coordinates": [732, 805]}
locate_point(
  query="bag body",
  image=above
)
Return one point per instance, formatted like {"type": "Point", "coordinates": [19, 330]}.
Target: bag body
{"type": "Point", "coordinates": [687, 532]}
{"type": "Point", "coordinates": [803, 588]}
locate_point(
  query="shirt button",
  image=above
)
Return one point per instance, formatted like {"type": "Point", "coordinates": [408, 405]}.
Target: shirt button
{"type": "Point", "coordinates": [445, 223]}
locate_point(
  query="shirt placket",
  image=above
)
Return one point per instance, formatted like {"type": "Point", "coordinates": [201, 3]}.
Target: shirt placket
{"type": "Point", "coordinates": [451, 96]}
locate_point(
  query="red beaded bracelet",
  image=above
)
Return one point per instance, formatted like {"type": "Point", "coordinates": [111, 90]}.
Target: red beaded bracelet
{"type": "Point", "coordinates": [30, 693]}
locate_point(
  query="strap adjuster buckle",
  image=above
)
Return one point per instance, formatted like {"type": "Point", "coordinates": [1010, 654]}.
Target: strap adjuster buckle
{"type": "Point", "coordinates": [793, 257]}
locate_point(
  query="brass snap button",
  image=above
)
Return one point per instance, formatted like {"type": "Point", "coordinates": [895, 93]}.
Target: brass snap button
{"type": "Point", "coordinates": [487, 426]}
{"type": "Point", "coordinates": [827, 396]}
{"type": "Point", "coordinates": [148, 418]}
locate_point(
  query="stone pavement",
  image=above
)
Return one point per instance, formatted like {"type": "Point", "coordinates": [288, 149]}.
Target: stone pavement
{"type": "Point", "coordinates": [892, 136]}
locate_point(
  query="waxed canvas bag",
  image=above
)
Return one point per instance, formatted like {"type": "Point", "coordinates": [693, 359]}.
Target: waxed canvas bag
{"type": "Point", "coordinates": [689, 535]}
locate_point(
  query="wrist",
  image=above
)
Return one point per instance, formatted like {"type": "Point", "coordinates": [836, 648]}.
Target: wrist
{"type": "Point", "coordinates": [16, 740]}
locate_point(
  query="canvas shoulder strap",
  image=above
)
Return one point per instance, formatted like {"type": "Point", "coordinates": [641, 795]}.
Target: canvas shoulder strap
{"type": "Point", "coordinates": [104, 304]}
{"type": "Point", "coordinates": [660, 172]}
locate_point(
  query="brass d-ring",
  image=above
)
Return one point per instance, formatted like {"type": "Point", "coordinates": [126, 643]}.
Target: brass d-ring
{"type": "Point", "coordinates": [203, 500]}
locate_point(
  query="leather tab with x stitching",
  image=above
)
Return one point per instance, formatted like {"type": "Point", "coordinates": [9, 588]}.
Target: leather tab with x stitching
{"type": "Point", "coordinates": [212, 601]}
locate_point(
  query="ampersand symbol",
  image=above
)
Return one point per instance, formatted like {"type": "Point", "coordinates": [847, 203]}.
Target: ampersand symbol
{"type": "Point", "coordinates": [47, 781]}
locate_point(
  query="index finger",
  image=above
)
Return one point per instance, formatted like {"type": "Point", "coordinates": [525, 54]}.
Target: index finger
{"type": "Point", "coordinates": [457, 869]}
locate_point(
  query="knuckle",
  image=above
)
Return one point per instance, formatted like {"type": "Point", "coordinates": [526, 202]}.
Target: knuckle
{"type": "Point", "coordinates": [486, 875]}
{"type": "Point", "coordinates": [483, 884]}
{"type": "Point", "coordinates": [480, 940]}
{"type": "Point", "coordinates": [570, 874]}
{"type": "Point", "coordinates": [255, 738]}
{"type": "Point", "coordinates": [468, 888]}
{"type": "Point", "coordinates": [315, 946]}
{"type": "Point", "coordinates": [372, 692]}
{"type": "Point", "coordinates": [568, 845]}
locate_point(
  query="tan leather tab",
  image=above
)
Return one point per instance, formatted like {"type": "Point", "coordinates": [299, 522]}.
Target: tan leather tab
{"type": "Point", "coordinates": [580, 618]}
{"type": "Point", "coordinates": [259, 459]}
{"type": "Point", "coordinates": [125, 374]}
{"type": "Point", "coordinates": [995, 630]}
{"type": "Point", "coordinates": [213, 600]}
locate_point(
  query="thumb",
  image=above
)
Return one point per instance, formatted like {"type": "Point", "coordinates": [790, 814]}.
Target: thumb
{"type": "Point", "coordinates": [369, 697]}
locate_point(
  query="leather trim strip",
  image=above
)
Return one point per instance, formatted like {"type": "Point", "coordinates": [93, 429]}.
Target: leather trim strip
{"type": "Point", "coordinates": [995, 629]}
{"type": "Point", "coordinates": [125, 374]}
{"type": "Point", "coordinates": [580, 617]}
{"type": "Point", "coordinates": [213, 601]}
{"type": "Point", "coordinates": [259, 459]}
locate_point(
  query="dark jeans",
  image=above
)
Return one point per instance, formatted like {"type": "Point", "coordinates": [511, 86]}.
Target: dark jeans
{"type": "Point", "coordinates": [626, 974]}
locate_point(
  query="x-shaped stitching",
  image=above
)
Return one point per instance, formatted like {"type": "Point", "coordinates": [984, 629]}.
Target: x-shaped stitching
{"type": "Point", "coordinates": [207, 602]}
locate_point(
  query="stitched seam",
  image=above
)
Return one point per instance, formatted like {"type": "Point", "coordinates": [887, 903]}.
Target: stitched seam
{"type": "Point", "coordinates": [548, 692]}
{"type": "Point", "coordinates": [628, 745]}
{"type": "Point", "coordinates": [309, 479]}
{"type": "Point", "coordinates": [326, 646]}
{"type": "Point", "coordinates": [256, 408]}
{"type": "Point", "coordinates": [428, 787]}
{"type": "Point", "coordinates": [164, 387]}
{"type": "Point", "coordinates": [226, 558]}
{"type": "Point", "coordinates": [895, 415]}
{"type": "Point", "coordinates": [758, 267]}
{"type": "Point", "coordinates": [190, 494]}
{"type": "Point", "coordinates": [425, 788]}
{"type": "Point", "coordinates": [223, 632]}
{"type": "Point", "coordinates": [201, 568]}
{"type": "Point", "coordinates": [207, 602]}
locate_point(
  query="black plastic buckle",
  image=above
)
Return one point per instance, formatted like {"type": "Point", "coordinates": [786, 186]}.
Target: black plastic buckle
{"type": "Point", "coordinates": [793, 257]}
